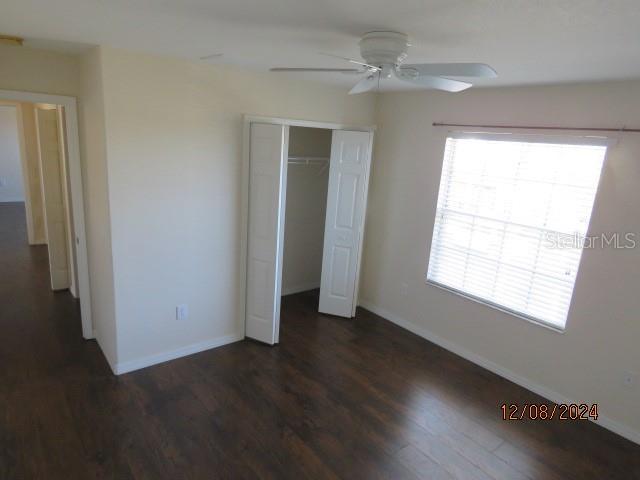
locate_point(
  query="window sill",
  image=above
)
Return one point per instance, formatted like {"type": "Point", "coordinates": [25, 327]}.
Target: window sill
{"type": "Point", "coordinates": [512, 313]}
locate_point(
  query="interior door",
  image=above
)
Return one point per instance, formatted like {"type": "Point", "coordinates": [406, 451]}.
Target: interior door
{"type": "Point", "coordinates": [267, 191]}
{"type": "Point", "coordinates": [66, 200]}
{"type": "Point", "coordinates": [344, 224]}
{"type": "Point", "coordinates": [52, 192]}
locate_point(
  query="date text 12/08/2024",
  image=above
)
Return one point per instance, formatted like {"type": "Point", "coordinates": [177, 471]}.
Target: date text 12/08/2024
{"type": "Point", "coordinates": [543, 411]}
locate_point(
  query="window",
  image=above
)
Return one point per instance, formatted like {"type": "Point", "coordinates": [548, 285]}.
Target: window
{"type": "Point", "coordinates": [511, 220]}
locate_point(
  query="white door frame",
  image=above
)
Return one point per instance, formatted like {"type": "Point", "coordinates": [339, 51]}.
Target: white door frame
{"type": "Point", "coordinates": [244, 218]}
{"type": "Point", "coordinates": [77, 194]}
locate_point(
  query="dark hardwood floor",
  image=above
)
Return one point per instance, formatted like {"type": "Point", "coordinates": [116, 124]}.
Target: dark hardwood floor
{"type": "Point", "coordinates": [354, 399]}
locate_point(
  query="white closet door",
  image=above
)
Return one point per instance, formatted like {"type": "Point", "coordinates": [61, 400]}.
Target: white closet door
{"type": "Point", "coordinates": [346, 203]}
{"type": "Point", "coordinates": [55, 217]}
{"type": "Point", "coordinates": [267, 190]}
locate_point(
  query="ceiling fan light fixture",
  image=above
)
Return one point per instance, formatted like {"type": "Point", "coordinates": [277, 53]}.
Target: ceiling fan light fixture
{"type": "Point", "coordinates": [384, 48]}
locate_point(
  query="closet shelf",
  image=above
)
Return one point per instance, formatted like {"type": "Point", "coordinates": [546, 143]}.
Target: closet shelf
{"type": "Point", "coordinates": [297, 160]}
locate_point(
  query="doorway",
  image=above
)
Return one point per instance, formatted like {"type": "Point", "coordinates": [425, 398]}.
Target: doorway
{"type": "Point", "coordinates": [51, 189]}
{"type": "Point", "coordinates": [34, 178]}
{"type": "Point", "coordinates": [306, 188]}
{"type": "Point", "coordinates": [306, 208]}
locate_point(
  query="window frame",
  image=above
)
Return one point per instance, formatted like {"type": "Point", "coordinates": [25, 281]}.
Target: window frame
{"type": "Point", "coordinates": [558, 139]}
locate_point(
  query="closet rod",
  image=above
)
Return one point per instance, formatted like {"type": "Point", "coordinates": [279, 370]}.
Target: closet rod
{"type": "Point", "coordinates": [304, 159]}
{"type": "Point", "coordinates": [525, 127]}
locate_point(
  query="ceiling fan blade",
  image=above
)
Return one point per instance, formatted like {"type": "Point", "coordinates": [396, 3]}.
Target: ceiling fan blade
{"type": "Point", "coordinates": [439, 83]}
{"type": "Point", "coordinates": [351, 60]}
{"type": "Point", "coordinates": [339, 70]}
{"type": "Point", "coordinates": [367, 84]}
{"type": "Point", "coordinates": [452, 69]}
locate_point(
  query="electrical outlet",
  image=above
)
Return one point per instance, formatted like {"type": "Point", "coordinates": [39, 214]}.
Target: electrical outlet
{"type": "Point", "coordinates": [182, 312]}
{"type": "Point", "coordinates": [404, 289]}
{"type": "Point", "coordinates": [629, 379]}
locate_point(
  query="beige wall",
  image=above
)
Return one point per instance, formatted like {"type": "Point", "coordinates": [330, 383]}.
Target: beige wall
{"type": "Point", "coordinates": [587, 362]}
{"type": "Point", "coordinates": [174, 139]}
{"type": "Point", "coordinates": [96, 201]}
{"type": "Point", "coordinates": [310, 142]}
{"type": "Point", "coordinates": [305, 212]}
{"type": "Point", "coordinates": [33, 70]}
{"type": "Point", "coordinates": [11, 184]}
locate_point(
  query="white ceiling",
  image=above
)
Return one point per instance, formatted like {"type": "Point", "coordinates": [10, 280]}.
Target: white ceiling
{"type": "Point", "coordinates": [526, 41]}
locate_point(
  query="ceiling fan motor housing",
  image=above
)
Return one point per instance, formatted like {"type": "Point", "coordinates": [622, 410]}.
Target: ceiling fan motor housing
{"type": "Point", "coordinates": [384, 48]}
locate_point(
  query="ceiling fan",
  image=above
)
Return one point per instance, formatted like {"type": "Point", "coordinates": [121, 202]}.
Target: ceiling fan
{"type": "Point", "coordinates": [384, 53]}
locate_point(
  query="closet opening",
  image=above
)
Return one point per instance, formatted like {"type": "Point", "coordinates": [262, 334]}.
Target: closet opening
{"type": "Point", "coordinates": [306, 208]}
{"type": "Point", "coordinates": [306, 189]}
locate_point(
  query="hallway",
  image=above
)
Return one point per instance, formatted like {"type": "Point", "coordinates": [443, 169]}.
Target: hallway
{"type": "Point", "coordinates": [43, 359]}
{"type": "Point", "coordinates": [41, 328]}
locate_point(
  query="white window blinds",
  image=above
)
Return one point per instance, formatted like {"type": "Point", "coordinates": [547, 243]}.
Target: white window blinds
{"type": "Point", "coordinates": [509, 210]}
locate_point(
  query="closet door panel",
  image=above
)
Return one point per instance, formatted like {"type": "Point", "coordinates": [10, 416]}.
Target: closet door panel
{"type": "Point", "coordinates": [52, 183]}
{"type": "Point", "coordinates": [267, 189]}
{"type": "Point", "coordinates": [346, 203]}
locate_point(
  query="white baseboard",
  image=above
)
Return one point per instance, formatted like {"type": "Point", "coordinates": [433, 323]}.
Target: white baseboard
{"type": "Point", "coordinates": [603, 421]}
{"type": "Point", "coordinates": [131, 365]}
{"type": "Point", "coordinates": [300, 288]}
